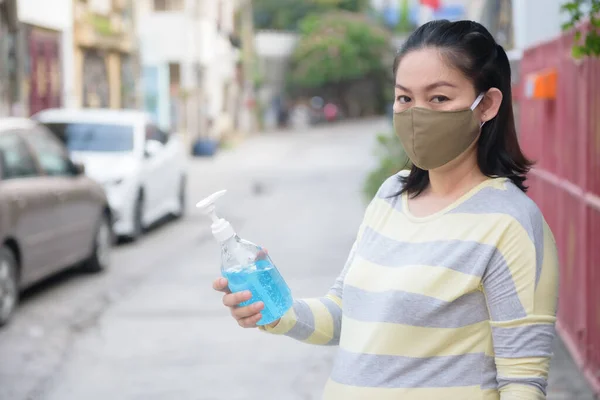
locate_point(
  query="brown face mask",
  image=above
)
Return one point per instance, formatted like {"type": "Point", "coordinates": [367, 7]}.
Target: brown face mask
{"type": "Point", "coordinates": [432, 138]}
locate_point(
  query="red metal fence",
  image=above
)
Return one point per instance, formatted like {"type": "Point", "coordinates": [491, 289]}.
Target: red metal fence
{"type": "Point", "coordinates": [563, 136]}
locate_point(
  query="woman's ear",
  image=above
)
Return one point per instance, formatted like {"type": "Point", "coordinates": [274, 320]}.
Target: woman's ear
{"type": "Point", "coordinates": [491, 104]}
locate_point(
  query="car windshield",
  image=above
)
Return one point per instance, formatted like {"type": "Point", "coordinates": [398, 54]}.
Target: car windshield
{"type": "Point", "coordinates": [94, 137]}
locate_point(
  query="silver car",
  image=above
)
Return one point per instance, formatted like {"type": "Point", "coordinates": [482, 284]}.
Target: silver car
{"type": "Point", "coordinates": [51, 215]}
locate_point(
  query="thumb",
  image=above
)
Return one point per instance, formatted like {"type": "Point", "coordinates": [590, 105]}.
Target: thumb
{"type": "Point", "coordinates": [262, 254]}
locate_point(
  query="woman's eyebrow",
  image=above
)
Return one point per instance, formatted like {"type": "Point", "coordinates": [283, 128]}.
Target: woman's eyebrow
{"type": "Point", "coordinates": [399, 86]}
{"type": "Point", "coordinates": [432, 86]}
{"type": "Point", "coordinates": [439, 84]}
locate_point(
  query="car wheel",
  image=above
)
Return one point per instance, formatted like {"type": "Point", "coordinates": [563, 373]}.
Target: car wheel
{"type": "Point", "coordinates": [9, 288]}
{"type": "Point", "coordinates": [138, 218]}
{"type": "Point", "coordinates": [181, 199]}
{"type": "Point", "coordinates": [103, 242]}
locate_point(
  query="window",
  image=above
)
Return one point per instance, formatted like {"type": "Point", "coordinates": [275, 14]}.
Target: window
{"type": "Point", "coordinates": [16, 161]}
{"type": "Point", "coordinates": [154, 133]}
{"type": "Point", "coordinates": [168, 5]}
{"type": "Point", "coordinates": [105, 138]}
{"type": "Point", "coordinates": [50, 154]}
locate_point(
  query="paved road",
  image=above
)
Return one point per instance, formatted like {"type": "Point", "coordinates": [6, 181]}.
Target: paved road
{"type": "Point", "coordinates": [151, 328]}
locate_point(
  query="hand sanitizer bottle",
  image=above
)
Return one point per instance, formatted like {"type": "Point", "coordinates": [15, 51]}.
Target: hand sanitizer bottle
{"type": "Point", "coordinates": [246, 267]}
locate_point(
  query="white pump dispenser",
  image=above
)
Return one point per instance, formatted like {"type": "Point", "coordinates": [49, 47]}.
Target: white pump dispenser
{"type": "Point", "coordinates": [221, 229]}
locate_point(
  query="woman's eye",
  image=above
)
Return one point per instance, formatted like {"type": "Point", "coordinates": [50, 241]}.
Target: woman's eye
{"type": "Point", "coordinates": [403, 99]}
{"type": "Point", "coordinates": [439, 99]}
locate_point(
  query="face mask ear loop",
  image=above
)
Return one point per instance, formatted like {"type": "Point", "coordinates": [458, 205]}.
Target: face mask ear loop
{"type": "Point", "coordinates": [477, 101]}
{"type": "Point", "coordinates": [475, 104]}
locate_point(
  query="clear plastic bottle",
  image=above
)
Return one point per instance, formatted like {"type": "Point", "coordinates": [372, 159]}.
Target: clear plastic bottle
{"type": "Point", "coordinates": [247, 267]}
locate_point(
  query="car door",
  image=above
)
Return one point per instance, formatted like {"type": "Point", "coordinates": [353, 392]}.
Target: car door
{"type": "Point", "coordinates": [174, 162]}
{"type": "Point", "coordinates": [30, 211]}
{"type": "Point", "coordinates": [169, 177]}
{"type": "Point", "coordinates": [74, 233]}
{"type": "Point", "coordinates": [155, 174]}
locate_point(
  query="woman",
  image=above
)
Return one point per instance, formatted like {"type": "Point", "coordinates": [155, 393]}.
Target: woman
{"type": "Point", "coordinates": [450, 290]}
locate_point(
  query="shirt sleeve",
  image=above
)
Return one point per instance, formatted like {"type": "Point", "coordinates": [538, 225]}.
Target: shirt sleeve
{"type": "Point", "coordinates": [317, 320]}
{"type": "Point", "coordinates": [521, 288]}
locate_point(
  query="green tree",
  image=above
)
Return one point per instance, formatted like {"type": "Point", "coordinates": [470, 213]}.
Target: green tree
{"type": "Point", "coordinates": [404, 25]}
{"type": "Point", "coordinates": [286, 14]}
{"type": "Point", "coordinates": [579, 10]}
{"type": "Point", "coordinates": [339, 48]}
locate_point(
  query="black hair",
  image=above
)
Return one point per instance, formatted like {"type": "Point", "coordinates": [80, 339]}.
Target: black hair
{"type": "Point", "coordinates": [470, 47]}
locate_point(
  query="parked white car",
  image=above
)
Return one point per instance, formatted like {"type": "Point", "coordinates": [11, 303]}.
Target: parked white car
{"type": "Point", "coordinates": [142, 168]}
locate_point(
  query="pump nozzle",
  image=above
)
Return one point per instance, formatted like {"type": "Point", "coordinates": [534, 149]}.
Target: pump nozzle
{"type": "Point", "coordinates": [207, 206]}
{"type": "Point", "coordinates": [221, 229]}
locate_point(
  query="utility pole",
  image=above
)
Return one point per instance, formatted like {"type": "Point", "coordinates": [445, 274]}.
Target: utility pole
{"type": "Point", "coordinates": [249, 64]}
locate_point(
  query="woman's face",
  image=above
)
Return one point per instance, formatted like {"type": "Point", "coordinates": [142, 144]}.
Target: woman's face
{"type": "Point", "coordinates": [425, 79]}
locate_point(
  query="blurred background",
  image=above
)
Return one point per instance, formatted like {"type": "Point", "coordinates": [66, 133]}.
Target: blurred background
{"type": "Point", "coordinates": [117, 116]}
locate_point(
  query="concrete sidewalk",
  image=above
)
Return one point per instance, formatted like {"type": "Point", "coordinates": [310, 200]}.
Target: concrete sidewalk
{"type": "Point", "coordinates": [566, 381]}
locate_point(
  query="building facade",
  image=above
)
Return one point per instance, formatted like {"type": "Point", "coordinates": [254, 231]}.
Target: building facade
{"type": "Point", "coordinates": [9, 82]}
{"type": "Point", "coordinates": [45, 54]}
{"type": "Point", "coordinates": [189, 58]}
{"type": "Point", "coordinates": [105, 55]}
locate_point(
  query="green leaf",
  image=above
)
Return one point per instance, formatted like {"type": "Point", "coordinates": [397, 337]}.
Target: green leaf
{"type": "Point", "coordinates": [570, 7]}
{"type": "Point", "coordinates": [578, 52]}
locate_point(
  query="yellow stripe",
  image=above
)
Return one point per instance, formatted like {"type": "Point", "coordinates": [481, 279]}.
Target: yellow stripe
{"type": "Point", "coordinates": [546, 293]}
{"type": "Point", "coordinates": [337, 391]}
{"type": "Point", "coordinates": [523, 367]}
{"type": "Point", "coordinates": [530, 320]}
{"type": "Point", "coordinates": [286, 323]}
{"type": "Point", "coordinates": [335, 299]}
{"type": "Point", "coordinates": [437, 282]}
{"type": "Point", "coordinates": [400, 228]}
{"type": "Point", "coordinates": [518, 392]}
{"type": "Point", "coordinates": [383, 338]}
{"type": "Point", "coordinates": [323, 322]}
{"type": "Point", "coordinates": [512, 240]}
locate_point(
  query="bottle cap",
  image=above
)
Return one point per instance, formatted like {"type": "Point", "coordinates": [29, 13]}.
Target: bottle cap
{"type": "Point", "coordinates": [221, 229]}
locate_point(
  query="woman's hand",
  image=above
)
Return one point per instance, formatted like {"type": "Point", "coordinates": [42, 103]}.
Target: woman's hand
{"type": "Point", "coordinates": [247, 316]}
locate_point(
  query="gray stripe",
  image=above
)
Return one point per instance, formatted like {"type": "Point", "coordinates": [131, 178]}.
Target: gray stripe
{"type": "Point", "coordinates": [389, 192]}
{"type": "Point", "coordinates": [489, 373]}
{"type": "Point", "coordinates": [390, 188]}
{"type": "Point", "coordinates": [538, 382]}
{"type": "Point", "coordinates": [369, 370]}
{"type": "Point", "coordinates": [336, 315]}
{"type": "Point", "coordinates": [468, 257]}
{"type": "Point", "coordinates": [305, 325]}
{"type": "Point", "coordinates": [525, 341]}
{"type": "Point", "coordinates": [502, 298]}
{"type": "Point", "coordinates": [414, 309]}
{"type": "Point", "coordinates": [515, 203]}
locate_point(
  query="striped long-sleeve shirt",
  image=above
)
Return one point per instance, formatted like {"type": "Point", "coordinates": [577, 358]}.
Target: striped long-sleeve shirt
{"type": "Point", "coordinates": [459, 305]}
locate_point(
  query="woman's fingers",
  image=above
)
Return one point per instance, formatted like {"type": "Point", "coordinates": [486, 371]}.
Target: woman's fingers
{"type": "Point", "coordinates": [220, 285]}
{"type": "Point", "coordinates": [249, 322]}
{"type": "Point", "coordinates": [248, 311]}
{"type": "Point", "coordinates": [234, 299]}
{"type": "Point", "coordinates": [246, 316]}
